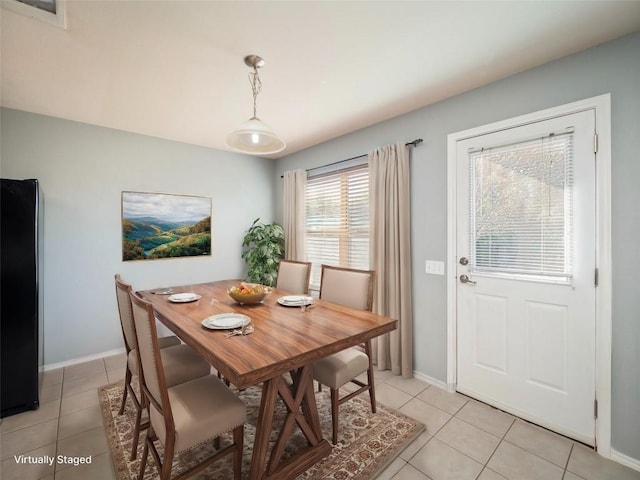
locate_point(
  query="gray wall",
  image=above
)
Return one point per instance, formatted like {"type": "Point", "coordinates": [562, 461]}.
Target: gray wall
{"type": "Point", "coordinates": [610, 68]}
{"type": "Point", "coordinates": [83, 169]}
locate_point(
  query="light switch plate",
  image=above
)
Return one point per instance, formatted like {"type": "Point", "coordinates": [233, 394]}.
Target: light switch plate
{"type": "Point", "coordinates": [434, 267]}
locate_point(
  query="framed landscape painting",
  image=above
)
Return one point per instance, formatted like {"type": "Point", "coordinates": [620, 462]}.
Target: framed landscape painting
{"type": "Point", "coordinates": [160, 225]}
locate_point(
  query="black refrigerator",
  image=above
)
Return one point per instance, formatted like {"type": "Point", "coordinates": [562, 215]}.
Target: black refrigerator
{"type": "Point", "coordinates": [21, 354]}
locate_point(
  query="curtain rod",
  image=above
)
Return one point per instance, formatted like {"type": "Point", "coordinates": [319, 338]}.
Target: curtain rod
{"type": "Point", "coordinates": [414, 143]}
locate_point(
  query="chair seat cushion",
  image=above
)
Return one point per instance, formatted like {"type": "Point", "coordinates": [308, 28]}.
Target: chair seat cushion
{"type": "Point", "coordinates": [181, 363]}
{"type": "Point", "coordinates": [164, 342]}
{"type": "Point", "coordinates": [202, 409]}
{"type": "Point", "coordinates": [339, 368]}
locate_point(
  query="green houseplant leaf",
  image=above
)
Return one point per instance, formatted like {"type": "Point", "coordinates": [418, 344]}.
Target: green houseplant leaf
{"type": "Point", "coordinates": [263, 247]}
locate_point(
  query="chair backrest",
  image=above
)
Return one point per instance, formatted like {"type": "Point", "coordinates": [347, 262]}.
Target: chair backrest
{"type": "Point", "coordinates": [152, 378]}
{"type": "Point", "coordinates": [126, 316]}
{"type": "Point", "coordinates": [347, 286]}
{"type": "Point", "coordinates": [293, 276]}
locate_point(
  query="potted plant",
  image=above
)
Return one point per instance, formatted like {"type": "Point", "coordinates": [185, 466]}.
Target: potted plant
{"type": "Point", "coordinates": [263, 247]}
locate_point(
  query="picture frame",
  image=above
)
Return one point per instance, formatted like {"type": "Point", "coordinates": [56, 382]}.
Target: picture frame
{"type": "Point", "coordinates": [163, 225]}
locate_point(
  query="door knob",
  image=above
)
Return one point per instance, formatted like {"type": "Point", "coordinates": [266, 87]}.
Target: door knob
{"type": "Point", "coordinates": [465, 279]}
{"type": "Point", "coordinates": [464, 261]}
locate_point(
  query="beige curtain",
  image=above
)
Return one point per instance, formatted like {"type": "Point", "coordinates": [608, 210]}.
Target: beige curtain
{"type": "Point", "coordinates": [390, 248]}
{"type": "Point", "coordinates": [295, 184]}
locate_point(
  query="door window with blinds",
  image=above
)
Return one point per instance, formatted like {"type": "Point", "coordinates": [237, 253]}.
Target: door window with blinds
{"type": "Point", "coordinates": [521, 209]}
{"type": "Point", "coordinates": [337, 221]}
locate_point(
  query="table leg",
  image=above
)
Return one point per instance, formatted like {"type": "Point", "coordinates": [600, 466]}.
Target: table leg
{"type": "Point", "coordinates": [303, 411]}
{"type": "Point", "coordinates": [263, 428]}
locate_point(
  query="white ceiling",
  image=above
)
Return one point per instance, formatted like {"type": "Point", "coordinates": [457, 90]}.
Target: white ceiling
{"type": "Point", "coordinates": [174, 69]}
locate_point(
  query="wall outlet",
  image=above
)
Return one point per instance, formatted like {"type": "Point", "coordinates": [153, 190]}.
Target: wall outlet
{"type": "Point", "coordinates": [434, 267]}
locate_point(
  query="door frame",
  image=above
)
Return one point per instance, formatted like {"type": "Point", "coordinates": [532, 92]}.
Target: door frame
{"type": "Point", "coordinates": [602, 106]}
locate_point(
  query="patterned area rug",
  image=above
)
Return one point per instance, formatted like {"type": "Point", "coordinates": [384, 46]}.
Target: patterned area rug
{"type": "Point", "coordinates": [367, 442]}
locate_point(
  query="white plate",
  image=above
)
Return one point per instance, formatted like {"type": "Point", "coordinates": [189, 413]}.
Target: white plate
{"type": "Point", "coordinates": [184, 297]}
{"type": "Point", "coordinates": [226, 321]}
{"type": "Point", "coordinates": [295, 300]}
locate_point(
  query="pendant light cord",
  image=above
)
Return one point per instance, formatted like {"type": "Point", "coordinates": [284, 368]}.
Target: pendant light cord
{"type": "Point", "coordinates": [256, 86]}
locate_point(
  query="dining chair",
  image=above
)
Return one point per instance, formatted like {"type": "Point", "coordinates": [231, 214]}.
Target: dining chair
{"type": "Point", "coordinates": [185, 415]}
{"type": "Point", "coordinates": [181, 361]}
{"type": "Point", "coordinates": [293, 276]}
{"type": "Point", "coordinates": [351, 288]}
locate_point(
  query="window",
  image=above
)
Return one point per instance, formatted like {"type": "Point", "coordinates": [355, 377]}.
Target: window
{"type": "Point", "coordinates": [337, 221]}
{"type": "Point", "coordinates": [50, 11]}
{"type": "Point", "coordinates": [46, 5]}
{"type": "Point", "coordinates": [522, 208]}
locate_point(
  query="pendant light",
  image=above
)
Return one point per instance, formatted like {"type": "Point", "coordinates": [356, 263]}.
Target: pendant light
{"type": "Point", "coordinates": [254, 136]}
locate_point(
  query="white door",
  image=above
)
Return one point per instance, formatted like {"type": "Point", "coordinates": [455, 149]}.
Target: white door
{"type": "Point", "coordinates": [526, 272]}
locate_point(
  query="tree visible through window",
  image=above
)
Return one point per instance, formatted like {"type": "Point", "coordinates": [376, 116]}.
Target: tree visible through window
{"type": "Point", "coordinates": [522, 208]}
{"type": "Point", "coordinates": [337, 221]}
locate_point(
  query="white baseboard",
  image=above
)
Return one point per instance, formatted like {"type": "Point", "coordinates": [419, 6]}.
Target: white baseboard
{"type": "Point", "coordinates": [431, 380]}
{"type": "Point", "coordinates": [88, 358]}
{"type": "Point", "coordinates": [625, 460]}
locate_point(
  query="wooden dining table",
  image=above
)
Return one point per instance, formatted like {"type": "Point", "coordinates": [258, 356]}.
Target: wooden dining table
{"type": "Point", "coordinates": [279, 354]}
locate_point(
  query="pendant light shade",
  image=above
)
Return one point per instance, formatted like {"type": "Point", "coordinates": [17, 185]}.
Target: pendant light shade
{"type": "Point", "coordinates": [254, 136]}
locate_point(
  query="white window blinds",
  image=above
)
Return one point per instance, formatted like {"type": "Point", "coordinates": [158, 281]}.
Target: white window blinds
{"type": "Point", "coordinates": [337, 221]}
{"type": "Point", "coordinates": [521, 208]}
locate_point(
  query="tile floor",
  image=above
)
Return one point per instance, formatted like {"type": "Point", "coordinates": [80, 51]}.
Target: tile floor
{"type": "Point", "coordinates": [464, 439]}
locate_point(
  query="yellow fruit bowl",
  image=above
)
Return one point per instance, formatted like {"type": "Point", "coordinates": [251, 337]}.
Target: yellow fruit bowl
{"type": "Point", "coordinates": [248, 293]}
